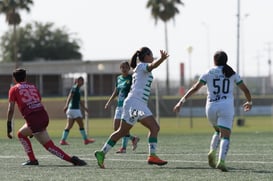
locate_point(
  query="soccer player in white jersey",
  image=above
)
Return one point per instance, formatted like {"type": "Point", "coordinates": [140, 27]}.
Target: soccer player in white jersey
{"type": "Point", "coordinates": [122, 88]}
{"type": "Point", "coordinates": [135, 108]}
{"type": "Point", "coordinates": [220, 81]}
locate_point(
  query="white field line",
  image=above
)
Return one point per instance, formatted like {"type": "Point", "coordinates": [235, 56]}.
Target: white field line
{"type": "Point", "coordinates": [141, 154]}
{"type": "Point", "coordinates": [125, 159]}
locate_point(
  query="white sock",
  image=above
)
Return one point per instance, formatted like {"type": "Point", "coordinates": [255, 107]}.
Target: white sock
{"type": "Point", "coordinates": [152, 148]}
{"type": "Point", "coordinates": [224, 147]}
{"type": "Point", "coordinates": [215, 140]}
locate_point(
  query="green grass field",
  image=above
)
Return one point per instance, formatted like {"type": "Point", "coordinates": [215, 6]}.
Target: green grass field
{"type": "Point", "coordinates": [250, 156]}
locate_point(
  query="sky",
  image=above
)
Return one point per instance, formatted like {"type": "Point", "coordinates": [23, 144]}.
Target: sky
{"type": "Point", "coordinates": [116, 29]}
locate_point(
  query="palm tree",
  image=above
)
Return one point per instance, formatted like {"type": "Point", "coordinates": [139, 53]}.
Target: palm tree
{"type": "Point", "coordinates": [164, 10]}
{"type": "Point", "coordinates": [10, 8]}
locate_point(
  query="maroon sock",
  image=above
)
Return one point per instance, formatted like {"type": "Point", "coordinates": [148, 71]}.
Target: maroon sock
{"type": "Point", "coordinates": [52, 148]}
{"type": "Point", "coordinates": [27, 146]}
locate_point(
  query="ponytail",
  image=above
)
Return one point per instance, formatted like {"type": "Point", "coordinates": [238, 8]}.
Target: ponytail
{"type": "Point", "coordinates": [140, 54]}
{"type": "Point", "coordinates": [133, 62]}
{"type": "Point", "coordinates": [228, 71]}
{"type": "Point", "coordinates": [220, 58]}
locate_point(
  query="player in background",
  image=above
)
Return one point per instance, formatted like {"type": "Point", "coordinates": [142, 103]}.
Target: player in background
{"type": "Point", "coordinates": [29, 103]}
{"type": "Point", "coordinates": [73, 112]}
{"type": "Point", "coordinates": [135, 108]}
{"type": "Point", "coordinates": [220, 81]}
{"type": "Point", "coordinates": [122, 88]}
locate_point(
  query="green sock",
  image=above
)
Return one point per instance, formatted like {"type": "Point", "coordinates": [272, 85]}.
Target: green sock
{"type": "Point", "coordinates": [65, 134]}
{"type": "Point", "coordinates": [125, 141]}
{"type": "Point", "coordinates": [108, 145]}
{"type": "Point", "coordinates": [83, 133]}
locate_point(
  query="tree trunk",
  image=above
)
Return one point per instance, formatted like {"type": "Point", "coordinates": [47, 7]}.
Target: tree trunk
{"type": "Point", "coordinates": [15, 56]}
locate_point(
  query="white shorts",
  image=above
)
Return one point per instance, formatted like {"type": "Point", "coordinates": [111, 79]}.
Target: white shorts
{"type": "Point", "coordinates": [220, 114]}
{"type": "Point", "coordinates": [73, 113]}
{"type": "Point", "coordinates": [118, 113]}
{"type": "Point", "coordinates": [134, 110]}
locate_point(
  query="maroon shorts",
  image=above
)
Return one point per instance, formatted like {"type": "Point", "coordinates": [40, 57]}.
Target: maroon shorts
{"type": "Point", "coordinates": [37, 121]}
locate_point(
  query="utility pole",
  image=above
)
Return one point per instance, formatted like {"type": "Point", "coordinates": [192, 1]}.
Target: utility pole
{"type": "Point", "coordinates": [237, 96]}
{"type": "Point", "coordinates": [269, 67]}
{"type": "Point", "coordinates": [167, 62]}
{"type": "Point", "coordinates": [190, 81]}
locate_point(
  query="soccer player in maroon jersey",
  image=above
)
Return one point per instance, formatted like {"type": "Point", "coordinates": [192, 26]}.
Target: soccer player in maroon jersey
{"type": "Point", "coordinates": [28, 99]}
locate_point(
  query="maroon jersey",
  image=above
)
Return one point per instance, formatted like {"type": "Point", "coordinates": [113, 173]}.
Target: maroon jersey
{"type": "Point", "coordinates": [27, 97]}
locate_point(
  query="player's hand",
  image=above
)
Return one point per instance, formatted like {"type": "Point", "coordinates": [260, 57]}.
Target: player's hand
{"type": "Point", "coordinates": [247, 106]}
{"type": "Point", "coordinates": [106, 106]}
{"type": "Point", "coordinates": [9, 129]}
{"type": "Point", "coordinates": [177, 107]}
{"type": "Point", "coordinates": [65, 109]}
{"type": "Point", "coordinates": [164, 54]}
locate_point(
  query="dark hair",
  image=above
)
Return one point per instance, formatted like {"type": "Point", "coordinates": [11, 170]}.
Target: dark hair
{"type": "Point", "coordinates": [80, 78]}
{"type": "Point", "coordinates": [124, 63]}
{"type": "Point", "coordinates": [221, 58]}
{"type": "Point", "coordinates": [77, 79]}
{"type": "Point", "coordinates": [19, 74]}
{"type": "Point", "coordinates": [140, 54]}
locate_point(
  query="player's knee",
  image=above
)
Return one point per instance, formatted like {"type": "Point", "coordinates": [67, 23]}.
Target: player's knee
{"type": "Point", "coordinates": [225, 133]}
{"type": "Point", "coordinates": [155, 129]}
{"type": "Point", "coordinates": [20, 135]}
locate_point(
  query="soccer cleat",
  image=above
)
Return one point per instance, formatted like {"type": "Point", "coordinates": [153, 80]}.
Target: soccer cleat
{"type": "Point", "coordinates": [77, 162]}
{"type": "Point", "coordinates": [135, 140]}
{"type": "Point", "coordinates": [100, 158]}
{"type": "Point", "coordinates": [154, 160]}
{"type": "Point", "coordinates": [63, 142]}
{"type": "Point", "coordinates": [212, 159]}
{"type": "Point", "coordinates": [87, 141]}
{"type": "Point", "coordinates": [221, 165]}
{"type": "Point", "coordinates": [121, 150]}
{"type": "Point", "coordinates": [30, 162]}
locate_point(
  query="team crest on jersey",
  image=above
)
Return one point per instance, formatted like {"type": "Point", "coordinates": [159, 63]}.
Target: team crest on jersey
{"type": "Point", "coordinates": [135, 115]}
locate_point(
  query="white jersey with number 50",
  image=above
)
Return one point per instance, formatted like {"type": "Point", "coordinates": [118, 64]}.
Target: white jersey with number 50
{"type": "Point", "coordinates": [219, 87]}
{"type": "Point", "coordinates": [141, 83]}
